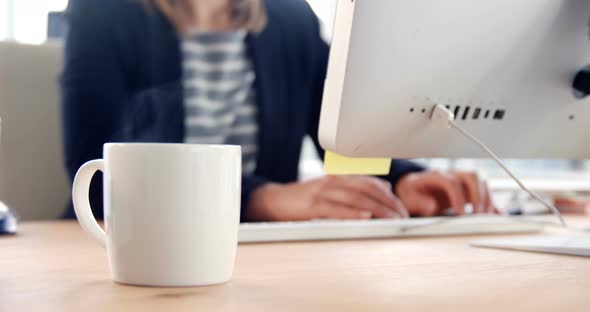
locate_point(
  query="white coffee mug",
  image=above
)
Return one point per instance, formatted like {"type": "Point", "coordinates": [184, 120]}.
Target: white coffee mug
{"type": "Point", "coordinates": [171, 212]}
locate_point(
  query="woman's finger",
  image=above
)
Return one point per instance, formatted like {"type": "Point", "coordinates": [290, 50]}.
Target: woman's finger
{"type": "Point", "coordinates": [473, 189]}
{"type": "Point", "coordinates": [376, 189]}
{"type": "Point", "coordinates": [326, 209]}
{"type": "Point", "coordinates": [358, 200]}
{"type": "Point", "coordinates": [452, 189]}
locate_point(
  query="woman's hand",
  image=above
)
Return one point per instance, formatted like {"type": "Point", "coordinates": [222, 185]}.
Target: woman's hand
{"type": "Point", "coordinates": [333, 197]}
{"type": "Point", "coordinates": [430, 193]}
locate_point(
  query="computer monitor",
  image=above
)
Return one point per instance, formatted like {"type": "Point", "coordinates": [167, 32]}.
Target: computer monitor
{"type": "Point", "coordinates": [505, 68]}
{"type": "Point", "coordinates": [514, 73]}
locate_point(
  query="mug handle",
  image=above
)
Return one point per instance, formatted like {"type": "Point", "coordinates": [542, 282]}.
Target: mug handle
{"type": "Point", "coordinates": [80, 190]}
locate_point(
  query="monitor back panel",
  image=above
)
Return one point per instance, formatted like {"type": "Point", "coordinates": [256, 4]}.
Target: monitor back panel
{"type": "Point", "coordinates": [504, 67]}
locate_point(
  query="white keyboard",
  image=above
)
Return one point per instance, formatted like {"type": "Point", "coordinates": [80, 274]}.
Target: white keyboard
{"type": "Point", "coordinates": [340, 230]}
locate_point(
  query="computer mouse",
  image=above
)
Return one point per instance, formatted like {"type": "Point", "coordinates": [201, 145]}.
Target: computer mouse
{"type": "Point", "coordinates": [8, 220]}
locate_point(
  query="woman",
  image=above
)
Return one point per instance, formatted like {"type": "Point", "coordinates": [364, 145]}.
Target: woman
{"type": "Point", "coordinates": [247, 72]}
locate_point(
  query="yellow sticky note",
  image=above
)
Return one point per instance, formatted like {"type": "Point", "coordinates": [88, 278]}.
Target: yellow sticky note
{"type": "Point", "coordinates": [335, 164]}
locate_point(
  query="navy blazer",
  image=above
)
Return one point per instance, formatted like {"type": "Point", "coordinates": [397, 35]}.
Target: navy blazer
{"type": "Point", "coordinates": [121, 82]}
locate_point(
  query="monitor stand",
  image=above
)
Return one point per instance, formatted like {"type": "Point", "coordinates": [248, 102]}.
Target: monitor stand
{"type": "Point", "coordinates": [575, 245]}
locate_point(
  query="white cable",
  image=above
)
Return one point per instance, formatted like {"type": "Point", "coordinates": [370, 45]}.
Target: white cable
{"type": "Point", "coordinates": [441, 114]}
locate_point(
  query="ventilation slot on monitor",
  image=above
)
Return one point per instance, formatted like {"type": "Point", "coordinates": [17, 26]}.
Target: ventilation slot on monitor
{"type": "Point", "coordinates": [456, 111]}
{"type": "Point", "coordinates": [466, 112]}
{"type": "Point", "coordinates": [476, 113]}
{"type": "Point", "coordinates": [499, 114]}
{"type": "Point", "coordinates": [469, 112]}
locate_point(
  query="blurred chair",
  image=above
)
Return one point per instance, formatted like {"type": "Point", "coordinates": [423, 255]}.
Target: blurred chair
{"type": "Point", "coordinates": [32, 176]}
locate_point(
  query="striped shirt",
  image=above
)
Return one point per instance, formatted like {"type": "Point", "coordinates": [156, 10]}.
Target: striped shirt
{"type": "Point", "coordinates": [220, 103]}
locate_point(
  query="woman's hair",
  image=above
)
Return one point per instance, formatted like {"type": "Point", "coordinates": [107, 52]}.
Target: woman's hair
{"type": "Point", "coordinates": [249, 14]}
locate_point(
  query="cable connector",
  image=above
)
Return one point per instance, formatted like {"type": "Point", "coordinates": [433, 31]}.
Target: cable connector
{"type": "Point", "coordinates": [442, 116]}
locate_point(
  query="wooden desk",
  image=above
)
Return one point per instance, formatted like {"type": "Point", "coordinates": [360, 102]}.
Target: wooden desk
{"type": "Point", "coordinates": [54, 266]}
